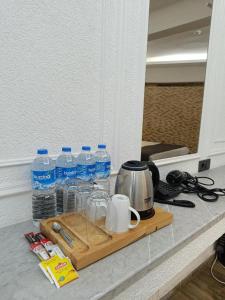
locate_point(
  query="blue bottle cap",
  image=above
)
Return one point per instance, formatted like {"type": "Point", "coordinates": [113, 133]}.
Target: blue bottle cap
{"type": "Point", "coordinates": [66, 149]}
{"type": "Point", "coordinates": [42, 151]}
{"type": "Point", "coordinates": [86, 148]}
{"type": "Point", "coordinates": [101, 146]}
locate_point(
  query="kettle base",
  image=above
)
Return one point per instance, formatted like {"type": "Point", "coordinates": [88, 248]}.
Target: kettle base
{"type": "Point", "coordinates": [145, 214]}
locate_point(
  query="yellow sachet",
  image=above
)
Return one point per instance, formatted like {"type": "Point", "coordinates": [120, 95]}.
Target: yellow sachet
{"type": "Point", "coordinates": [61, 271]}
{"type": "Point", "coordinates": [44, 265]}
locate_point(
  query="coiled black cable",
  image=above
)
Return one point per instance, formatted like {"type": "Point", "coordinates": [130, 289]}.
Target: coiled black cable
{"type": "Point", "coordinates": [195, 184]}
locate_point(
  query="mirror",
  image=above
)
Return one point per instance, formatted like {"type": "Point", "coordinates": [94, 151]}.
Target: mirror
{"type": "Point", "coordinates": [176, 60]}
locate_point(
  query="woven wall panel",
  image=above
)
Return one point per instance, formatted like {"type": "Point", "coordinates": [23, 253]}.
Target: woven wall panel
{"type": "Point", "coordinates": [172, 113]}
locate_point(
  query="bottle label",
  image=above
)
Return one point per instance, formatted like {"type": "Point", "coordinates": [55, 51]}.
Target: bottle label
{"type": "Point", "coordinates": [103, 169]}
{"type": "Point", "coordinates": [62, 173]}
{"type": "Point", "coordinates": [58, 172]}
{"type": "Point", "coordinates": [42, 180]}
{"type": "Point", "coordinates": [86, 172]}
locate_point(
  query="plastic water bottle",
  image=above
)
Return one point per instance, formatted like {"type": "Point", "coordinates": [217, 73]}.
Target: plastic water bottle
{"type": "Point", "coordinates": [103, 167]}
{"type": "Point", "coordinates": [65, 175]}
{"type": "Point", "coordinates": [86, 164]}
{"type": "Point", "coordinates": [43, 185]}
{"type": "Point", "coordinates": [85, 175]}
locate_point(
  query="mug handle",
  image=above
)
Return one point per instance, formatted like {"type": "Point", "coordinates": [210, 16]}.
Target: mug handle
{"type": "Point", "coordinates": [131, 226]}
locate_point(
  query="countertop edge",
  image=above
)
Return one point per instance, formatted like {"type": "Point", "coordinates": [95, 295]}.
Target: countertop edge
{"type": "Point", "coordinates": [143, 270]}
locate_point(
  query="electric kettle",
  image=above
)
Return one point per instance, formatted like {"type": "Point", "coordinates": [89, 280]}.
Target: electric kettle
{"type": "Point", "coordinates": [137, 180]}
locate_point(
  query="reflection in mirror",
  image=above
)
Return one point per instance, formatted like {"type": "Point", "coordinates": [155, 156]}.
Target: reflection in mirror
{"type": "Point", "coordinates": [175, 73]}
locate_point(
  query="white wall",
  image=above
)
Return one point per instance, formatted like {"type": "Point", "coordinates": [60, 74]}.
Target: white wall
{"type": "Point", "coordinates": [48, 63]}
{"type": "Point", "coordinates": [175, 73]}
{"type": "Point", "coordinates": [68, 76]}
{"type": "Point", "coordinates": [212, 135]}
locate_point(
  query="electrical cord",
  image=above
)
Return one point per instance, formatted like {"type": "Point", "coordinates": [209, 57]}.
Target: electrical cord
{"type": "Point", "coordinates": [194, 185]}
{"type": "Point", "coordinates": [211, 270]}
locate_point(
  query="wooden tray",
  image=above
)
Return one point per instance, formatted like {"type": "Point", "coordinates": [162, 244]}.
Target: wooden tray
{"type": "Point", "coordinates": [92, 242]}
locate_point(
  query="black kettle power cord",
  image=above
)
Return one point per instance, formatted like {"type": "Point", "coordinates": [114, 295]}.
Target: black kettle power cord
{"type": "Point", "coordinates": [177, 202]}
{"type": "Point", "coordinates": [196, 185]}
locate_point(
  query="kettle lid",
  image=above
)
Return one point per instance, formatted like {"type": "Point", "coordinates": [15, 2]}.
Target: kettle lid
{"type": "Point", "coordinates": [135, 165]}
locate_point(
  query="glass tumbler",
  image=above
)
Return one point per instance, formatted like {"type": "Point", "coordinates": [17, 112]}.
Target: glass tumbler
{"type": "Point", "coordinates": [83, 191]}
{"type": "Point", "coordinates": [96, 210]}
{"type": "Point", "coordinates": [97, 204]}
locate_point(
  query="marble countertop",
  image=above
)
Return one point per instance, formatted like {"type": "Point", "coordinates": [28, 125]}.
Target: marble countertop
{"type": "Point", "coordinates": [21, 278]}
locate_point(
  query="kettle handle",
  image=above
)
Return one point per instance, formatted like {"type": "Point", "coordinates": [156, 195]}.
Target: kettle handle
{"type": "Point", "coordinates": [155, 173]}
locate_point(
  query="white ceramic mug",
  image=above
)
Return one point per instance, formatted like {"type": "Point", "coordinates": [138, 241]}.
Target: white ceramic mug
{"type": "Point", "coordinates": [118, 218]}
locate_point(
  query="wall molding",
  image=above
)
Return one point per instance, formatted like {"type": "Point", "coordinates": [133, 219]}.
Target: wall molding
{"type": "Point", "coordinates": [186, 162]}
{"type": "Point", "coordinates": [25, 186]}
{"type": "Point", "coordinates": [16, 162]}
{"type": "Point", "coordinates": [219, 141]}
{"type": "Point", "coordinates": [11, 190]}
